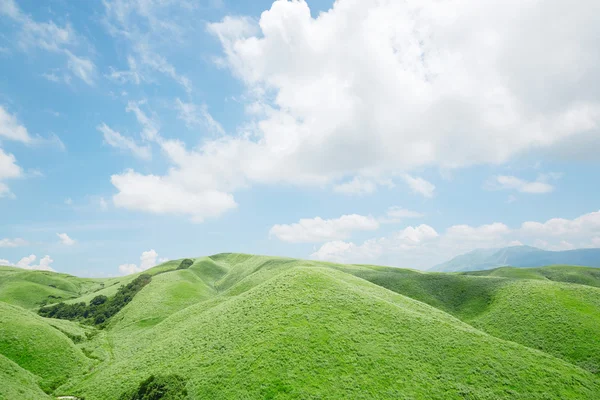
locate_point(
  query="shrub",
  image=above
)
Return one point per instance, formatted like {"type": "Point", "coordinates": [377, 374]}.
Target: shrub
{"type": "Point", "coordinates": [101, 308]}
{"type": "Point", "coordinates": [96, 301]}
{"type": "Point", "coordinates": [165, 387]}
{"type": "Point", "coordinates": [185, 264]}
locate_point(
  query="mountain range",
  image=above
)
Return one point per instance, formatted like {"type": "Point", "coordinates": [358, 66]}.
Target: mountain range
{"type": "Point", "coordinates": [520, 257]}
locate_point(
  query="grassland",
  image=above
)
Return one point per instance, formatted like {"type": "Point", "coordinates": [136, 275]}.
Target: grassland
{"type": "Point", "coordinates": [236, 326]}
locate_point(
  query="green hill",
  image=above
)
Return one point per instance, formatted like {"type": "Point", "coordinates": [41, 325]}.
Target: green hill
{"type": "Point", "coordinates": [18, 383]}
{"type": "Point", "coordinates": [236, 326]}
{"type": "Point", "coordinates": [533, 307]}
{"type": "Point", "coordinates": [30, 289]}
{"type": "Point", "coordinates": [39, 348]}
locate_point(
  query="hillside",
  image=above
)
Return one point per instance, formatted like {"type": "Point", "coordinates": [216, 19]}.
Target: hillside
{"type": "Point", "coordinates": [36, 346]}
{"type": "Point", "coordinates": [243, 326]}
{"type": "Point", "coordinates": [518, 256]}
{"type": "Point", "coordinates": [30, 289]}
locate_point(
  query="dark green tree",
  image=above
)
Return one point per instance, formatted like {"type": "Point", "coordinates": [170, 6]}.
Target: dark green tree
{"type": "Point", "coordinates": [161, 387]}
{"type": "Point", "coordinates": [185, 264]}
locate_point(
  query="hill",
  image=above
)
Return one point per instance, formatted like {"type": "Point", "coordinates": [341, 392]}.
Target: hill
{"type": "Point", "coordinates": [243, 326]}
{"type": "Point", "coordinates": [519, 256]}
{"type": "Point", "coordinates": [30, 289]}
{"type": "Point", "coordinates": [36, 346]}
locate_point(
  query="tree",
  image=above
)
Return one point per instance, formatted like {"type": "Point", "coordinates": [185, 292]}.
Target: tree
{"type": "Point", "coordinates": [185, 264]}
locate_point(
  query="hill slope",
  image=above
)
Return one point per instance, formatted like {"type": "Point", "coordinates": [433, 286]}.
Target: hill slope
{"type": "Point", "coordinates": [30, 289]}
{"type": "Point", "coordinates": [39, 348]}
{"type": "Point", "coordinates": [519, 256]}
{"type": "Point", "coordinates": [243, 326]}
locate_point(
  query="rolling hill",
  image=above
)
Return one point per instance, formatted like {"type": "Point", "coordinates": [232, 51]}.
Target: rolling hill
{"type": "Point", "coordinates": [518, 256]}
{"type": "Point", "coordinates": [241, 326]}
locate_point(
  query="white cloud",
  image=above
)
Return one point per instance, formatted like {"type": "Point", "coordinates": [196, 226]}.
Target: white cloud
{"type": "Point", "coordinates": [49, 37]}
{"type": "Point", "coordinates": [11, 129]}
{"type": "Point", "coordinates": [103, 204]}
{"type": "Point", "coordinates": [401, 245]}
{"type": "Point", "coordinates": [480, 233]}
{"type": "Point", "coordinates": [159, 63]}
{"type": "Point", "coordinates": [316, 229]}
{"type": "Point", "coordinates": [69, 201]}
{"type": "Point", "coordinates": [52, 77]}
{"type": "Point", "coordinates": [399, 212]}
{"type": "Point", "coordinates": [27, 263]}
{"type": "Point", "coordinates": [195, 116]}
{"type": "Point", "coordinates": [8, 170]}
{"type": "Point", "coordinates": [347, 252]}
{"type": "Point", "coordinates": [132, 75]}
{"type": "Point", "coordinates": [384, 89]}
{"type": "Point", "coordinates": [81, 67]}
{"type": "Point", "coordinates": [148, 259]}
{"type": "Point", "coordinates": [438, 85]}
{"type": "Point", "coordinates": [513, 183]}
{"type": "Point", "coordinates": [150, 126]}
{"type": "Point", "coordinates": [17, 242]}
{"type": "Point", "coordinates": [115, 139]}
{"type": "Point", "coordinates": [8, 166]}
{"type": "Point", "coordinates": [586, 225]}
{"type": "Point", "coordinates": [65, 239]}
{"type": "Point", "coordinates": [160, 195]}
{"type": "Point", "coordinates": [357, 186]}
{"type": "Point", "coordinates": [421, 247]}
{"type": "Point", "coordinates": [151, 28]}
{"type": "Point", "coordinates": [4, 190]}
{"type": "Point", "coordinates": [419, 185]}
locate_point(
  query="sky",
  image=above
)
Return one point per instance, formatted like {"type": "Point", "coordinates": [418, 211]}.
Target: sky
{"type": "Point", "coordinates": [384, 132]}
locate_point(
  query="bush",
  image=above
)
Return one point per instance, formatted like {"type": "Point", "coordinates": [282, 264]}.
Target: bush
{"type": "Point", "coordinates": [96, 301]}
{"type": "Point", "coordinates": [185, 264]}
{"type": "Point", "coordinates": [101, 308]}
{"type": "Point", "coordinates": [165, 387]}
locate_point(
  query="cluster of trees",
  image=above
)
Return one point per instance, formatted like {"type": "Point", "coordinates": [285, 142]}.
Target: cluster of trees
{"type": "Point", "coordinates": [185, 264]}
{"type": "Point", "coordinates": [101, 308]}
{"type": "Point", "coordinates": [171, 387]}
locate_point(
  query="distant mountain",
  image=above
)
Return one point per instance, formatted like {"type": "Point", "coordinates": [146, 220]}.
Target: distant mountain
{"type": "Point", "coordinates": [519, 256]}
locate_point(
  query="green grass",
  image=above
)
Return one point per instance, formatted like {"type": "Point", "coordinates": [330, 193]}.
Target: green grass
{"type": "Point", "coordinates": [32, 343]}
{"type": "Point", "coordinates": [18, 383]}
{"type": "Point", "coordinates": [556, 273]}
{"type": "Point", "coordinates": [238, 326]}
{"type": "Point", "coordinates": [534, 313]}
{"type": "Point", "coordinates": [536, 307]}
{"type": "Point", "coordinates": [316, 332]}
{"type": "Point", "coordinates": [30, 289]}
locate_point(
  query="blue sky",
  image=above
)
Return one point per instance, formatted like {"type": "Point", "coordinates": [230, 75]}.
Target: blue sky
{"type": "Point", "coordinates": [134, 131]}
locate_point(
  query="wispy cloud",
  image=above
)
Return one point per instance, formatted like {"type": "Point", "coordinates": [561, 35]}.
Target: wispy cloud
{"type": "Point", "coordinates": [315, 230]}
{"type": "Point", "coordinates": [419, 185]}
{"type": "Point", "coordinates": [507, 182]}
{"type": "Point", "coordinates": [146, 27]}
{"type": "Point", "coordinates": [115, 139]}
{"type": "Point", "coordinates": [198, 116]}
{"type": "Point", "coordinates": [50, 37]}
{"type": "Point", "coordinates": [65, 239]}
{"type": "Point", "coordinates": [17, 242]}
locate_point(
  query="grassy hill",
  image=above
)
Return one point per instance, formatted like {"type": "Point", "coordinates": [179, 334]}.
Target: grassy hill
{"type": "Point", "coordinates": [18, 383]}
{"type": "Point", "coordinates": [39, 348]}
{"type": "Point", "coordinates": [243, 326]}
{"type": "Point", "coordinates": [30, 289]}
